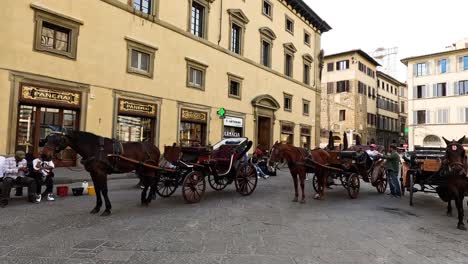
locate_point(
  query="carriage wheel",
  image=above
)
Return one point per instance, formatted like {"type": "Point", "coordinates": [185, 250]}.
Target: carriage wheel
{"type": "Point", "coordinates": [218, 185]}
{"type": "Point", "coordinates": [411, 188]}
{"type": "Point", "coordinates": [382, 182]}
{"type": "Point", "coordinates": [344, 181]}
{"type": "Point", "coordinates": [246, 179]}
{"type": "Point", "coordinates": [166, 186]}
{"type": "Point", "coordinates": [353, 185]}
{"type": "Point", "coordinates": [194, 187]}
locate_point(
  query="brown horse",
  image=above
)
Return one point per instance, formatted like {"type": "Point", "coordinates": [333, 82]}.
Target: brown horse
{"type": "Point", "coordinates": [454, 168]}
{"type": "Point", "coordinates": [297, 159]}
{"type": "Point", "coordinates": [94, 150]}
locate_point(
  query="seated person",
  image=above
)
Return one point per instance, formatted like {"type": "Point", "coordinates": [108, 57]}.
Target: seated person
{"type": "Point", "coordinates": [373, 153]}
{"type": "Point", "coordinates": [15, 169]}
{"type": "Point", "coordinates": [43, 174]}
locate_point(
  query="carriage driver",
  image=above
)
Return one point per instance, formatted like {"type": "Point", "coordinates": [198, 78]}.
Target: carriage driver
{"type": "Point", "coordinates": [373, 153]}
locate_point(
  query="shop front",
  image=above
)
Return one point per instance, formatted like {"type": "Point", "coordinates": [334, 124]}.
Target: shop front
{"type": "Point", "coordinates": [233, 127]}
{"type": "Point", "coordinates": [136, 121]}
{"type": "Point", "coordinates": [42, 107]}
{"type": "Point", "coordinates": [192, 127]}
{"type": "Point", "coordinates": [305, 137]}
{"type": "Point", "coordinates": [287, 133]}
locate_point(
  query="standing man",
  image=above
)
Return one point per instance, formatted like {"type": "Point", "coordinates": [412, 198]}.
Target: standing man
{"type": "Point", "coordinates": [392, 165]}
{"type": "Point", "coordinates": [15, 169]}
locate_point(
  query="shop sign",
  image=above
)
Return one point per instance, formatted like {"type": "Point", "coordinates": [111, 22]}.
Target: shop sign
{"type": "Point", "coordinates": [289, 129]}
{"type": "Point", "coordinates": [196, 116]}
{"type": "Point", "coordinates": [139, 108]}
{"type": "Point", "coordinates": [36, 94]}
{"type": "Point", "coordinates": [233, 121]}
{"type": "Point", "coordinates": [231, 134]}
{"type": "Point", "coordinates": [305, 131]}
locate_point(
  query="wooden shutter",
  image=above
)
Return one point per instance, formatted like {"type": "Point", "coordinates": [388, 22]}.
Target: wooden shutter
{"type": "Point", "coordinates": [415, 117]}
{"type": "Point", "coordinates": [455, 88]}
{"type": "Point", "coordinates": [415, 92]}
{"type": "Point", "coordinates": [415, 69]}
{"type": "Point", "coordinates": [428, 116]}
{"type": "Point", "coordinates": [434, 90]}
{"type": "Point", "coordinates": [447, 70]}
{"type": "Point", "coordinates": [460, 63]}
{"type": "Point", "coordinates": [428, 67]}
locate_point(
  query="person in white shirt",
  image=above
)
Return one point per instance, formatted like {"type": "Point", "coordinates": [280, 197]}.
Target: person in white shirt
{"type": "Point", "coordinates": [2, 162]}
{"type": "Point", "coordinates": [373, 153]}
{"type": "Point", "coordinates": [15, 169]}
{"type": "Point", "coordinates": [43, 174]}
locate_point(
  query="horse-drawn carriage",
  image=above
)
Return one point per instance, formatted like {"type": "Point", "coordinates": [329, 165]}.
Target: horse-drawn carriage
{"type": "Point", "coordinates": [351, 165]}
{"type": "Point", "coordinates": [223, 165]}
{"type": "Point", "coordinates": [421, 168]}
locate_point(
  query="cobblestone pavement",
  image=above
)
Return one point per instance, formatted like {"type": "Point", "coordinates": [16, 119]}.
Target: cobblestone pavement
{"type": "Point", "coordinates": [228, 228]}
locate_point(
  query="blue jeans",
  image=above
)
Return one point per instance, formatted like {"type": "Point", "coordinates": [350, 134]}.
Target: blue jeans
{"type": "Point", "coordinates": [259, 171]}
{"type": "Point", "coordinates": [394, 183]}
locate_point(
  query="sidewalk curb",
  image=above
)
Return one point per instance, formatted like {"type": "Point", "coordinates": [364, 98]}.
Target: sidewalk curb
{"type": "Point", "coordinates": [68, 180]}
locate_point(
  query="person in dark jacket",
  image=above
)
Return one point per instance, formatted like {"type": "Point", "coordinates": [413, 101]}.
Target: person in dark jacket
{"type": "Point", "coordinates": [392, 165]}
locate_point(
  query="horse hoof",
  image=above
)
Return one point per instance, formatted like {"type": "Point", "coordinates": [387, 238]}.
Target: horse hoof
{"type": "Point", "coordinates": [303, 201]}
{"type": "Point", "coordinates": [106, 213]}
{"type": "Point", "coordinates": [317, 196]}
{"type": "Point", "coordinates": [95, 211]}
{"type": "Point", "coordinates": [461, 227]}
{"type": "Point", "coordinates": [295, 200]}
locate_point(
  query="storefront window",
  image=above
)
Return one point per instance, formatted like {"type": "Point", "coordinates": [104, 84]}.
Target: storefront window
{"type": "Point", "coordinates": [191, 134]}
{"type": "Point", "coordinates": [287, 133]}
{"type": "Point", "coordinates": [134, 129]}
{"type": "Point", "coordinates": [305, 137]}
{"type": "Point", "coordinates": [26, 124]}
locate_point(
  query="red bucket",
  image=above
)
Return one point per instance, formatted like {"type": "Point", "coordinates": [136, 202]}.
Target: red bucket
{"type": "Point", "coordinates": [62, 191]}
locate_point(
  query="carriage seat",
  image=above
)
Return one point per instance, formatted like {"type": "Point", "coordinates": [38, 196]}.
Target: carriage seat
{"type": "Point", "coordinates": [221, 157]}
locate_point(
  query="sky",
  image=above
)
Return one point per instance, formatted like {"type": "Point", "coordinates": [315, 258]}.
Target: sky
{"type": "Point", "coordinates": [416, 27]}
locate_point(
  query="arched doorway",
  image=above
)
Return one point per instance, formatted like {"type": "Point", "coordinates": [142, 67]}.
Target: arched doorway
{"type": "Point", "coordinates": [265, 107]}
{"type": "Point", "coordinates": [432, 141]}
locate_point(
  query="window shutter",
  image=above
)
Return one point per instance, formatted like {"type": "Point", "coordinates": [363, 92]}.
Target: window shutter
{"type": "Point", "coordinates": [428, 117]}
{"type": "Point", "coordinates": [428, 66]}
{"type": "Point", "coordinates": [448, 66]}
{"type": "Point", "coordinates": [434, 90]}
{"type": "Point", "coordinates": [455, 88]}
{"type": "Point", "coordinates": [415, 69]}
{"type": "Point", "coordinates": [461, 113]}
{"type": "Point", "coordinates": [415, 117]}
{"type": "Point", "coordinates": [460, 63]}
{"type": "Point", "coordinates": [415, 92]}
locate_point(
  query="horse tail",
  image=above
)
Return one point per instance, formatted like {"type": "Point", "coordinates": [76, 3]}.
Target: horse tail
{"type": "Point", "coordinates": [443, 193]}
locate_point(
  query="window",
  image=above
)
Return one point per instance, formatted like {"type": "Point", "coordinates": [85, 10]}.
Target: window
{"type": "Point", "coordinates": [307, 38]}
{"type": "Point", "coordinates": [421, 117]}
{"type": "Point", "coordinates": [267, 8]}
{"type": "Point", "coordinates": [305, 107]}
{"type": "Point", "coordinates": [140, 58]}
{"type": "Point", "coordinates": [143, 6]}
{"type": "Point", "coordinates": [238, 20]}
{"type": "Point", "coordinates": [56, 34]}
{"type": "Point", "coordinates": [441, 90]}
{"type": "Point", "coordinates": [288, 65]}
{"type": "Point", "coordinates": [421, 69]}
{"type": "Point", "coordinates": [288, 102]}
{"type": "Point", "coordinates": [266, 53]}
{"type": "Point", "coordinates": [197, 21]}
{"type": "Point", "coordinates": [236, 32]}
{"type": "Point", "coordinates": [342, 65]}
{"type": "Point", "coordinates": [234, 86]}
{"type": "Point", "coordinates": [442, 116]}
{"type": "Point", "coordinates": [306, 73]}
{"type": "Point", "coordinates": [421, 91]}
{"type": "Point", "coordinates": [289, 25]}
{"type": "Point", "coordinates": [462, 87]}
{"type": "Point", "coordinates": [330, 66]}
{"type": "Point", "coordinates": [342, 115]}
{"type": "Point", "coordinates": [362, 88]}
{"type": "Point", "coordinates": [342, 86]}
{"type": "Point", "coordinates": [465, 63]}
{"type": "Point", "coordinates": [442, 65]}
{"type": "Point", "coordinates": [402, 110]}
{"type": "Point", "coordinates": [196, 74]}
{"type": "Point", "coordinates": [362, 67]}
{"type": "Point", "coordinates": [330, 87]}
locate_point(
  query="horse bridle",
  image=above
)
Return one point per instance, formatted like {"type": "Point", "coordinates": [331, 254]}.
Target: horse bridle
{"type": "Point", "coordinates": [456, 163]}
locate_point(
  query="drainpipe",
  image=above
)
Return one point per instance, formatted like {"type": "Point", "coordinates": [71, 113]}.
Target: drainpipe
{"type": "Point", "coordinates": [220, 22]}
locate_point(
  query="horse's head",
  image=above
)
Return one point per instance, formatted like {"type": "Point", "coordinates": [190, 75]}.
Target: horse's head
{"type": "Point", "coordinates": [456, 156]}
{"type": "Point", "coordinates": [276, 153]}
{"type": "Point", "coordinates": [54, 143]}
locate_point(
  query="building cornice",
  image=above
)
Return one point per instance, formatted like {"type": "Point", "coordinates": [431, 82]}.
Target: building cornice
{"type": "Point", "coordinates": [450, 52]}
{"type": "Point", "coordinates": [306, 12]}
{"type": "Point", "coordinates": [351, 52]}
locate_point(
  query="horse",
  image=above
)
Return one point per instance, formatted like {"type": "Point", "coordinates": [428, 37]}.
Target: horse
{"type": "Point", "coordinates": [297, 159]}
{"type": "Point", "coordinates": [94, 150]}
{"type": "Point", "coordinates": [454, 167]}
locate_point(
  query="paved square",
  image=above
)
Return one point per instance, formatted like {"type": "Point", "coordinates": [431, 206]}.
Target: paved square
{"type": "Point", "coordinates": [227, 228]}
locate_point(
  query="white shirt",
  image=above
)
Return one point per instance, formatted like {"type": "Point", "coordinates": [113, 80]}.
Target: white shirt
{"type": "Point", "coordinates": [372, 153]}
{"type": "Point", "coordinates": [2, 163]}
{"type": "Point", "coordinates": [11, 166]}
{"type": "Point", "coordinates": [40, 165]}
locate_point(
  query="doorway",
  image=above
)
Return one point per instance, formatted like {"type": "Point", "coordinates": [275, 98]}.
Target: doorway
{"type": "Point", "coordinates": [264, 132]}
{"type": "Point", "coordinates": [33, 125]}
